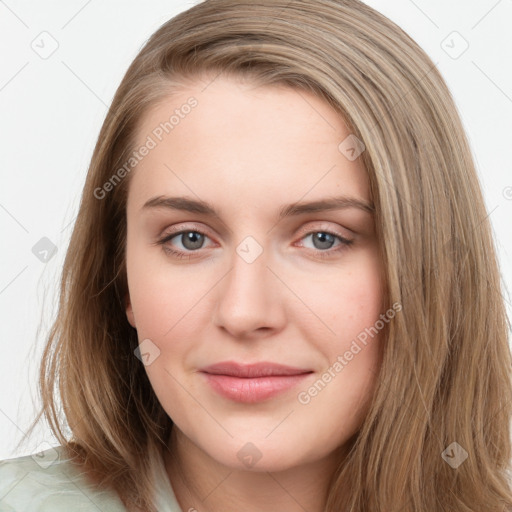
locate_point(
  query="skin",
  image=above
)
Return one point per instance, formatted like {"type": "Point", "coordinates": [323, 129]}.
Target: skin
{"type": "Point", "coordinates": [249, 150]}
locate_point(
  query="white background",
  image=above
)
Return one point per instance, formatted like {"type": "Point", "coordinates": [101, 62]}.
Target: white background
{"type": "Point", "coordinates": [52, 110]}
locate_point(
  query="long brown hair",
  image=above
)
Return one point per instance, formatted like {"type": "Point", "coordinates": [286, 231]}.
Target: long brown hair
{"type": "Point", "coordinates": [446, 370]}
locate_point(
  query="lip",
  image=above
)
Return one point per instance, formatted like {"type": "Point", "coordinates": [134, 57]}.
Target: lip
{"type": "Point", "coordinates": [252, 383]}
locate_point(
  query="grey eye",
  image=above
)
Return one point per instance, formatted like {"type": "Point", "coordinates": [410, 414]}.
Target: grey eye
{"type": "Point", "coordinates": [322, 240]}
{"type": "Point", "coordinates": [191, 240]}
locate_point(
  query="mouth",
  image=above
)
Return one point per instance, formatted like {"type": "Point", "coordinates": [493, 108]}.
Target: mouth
{"type": "Point", "coordinates": [252, 383]}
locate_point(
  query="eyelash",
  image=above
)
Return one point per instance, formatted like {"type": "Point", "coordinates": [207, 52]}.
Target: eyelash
{"type": "Point", "coordinates": [345, 243]}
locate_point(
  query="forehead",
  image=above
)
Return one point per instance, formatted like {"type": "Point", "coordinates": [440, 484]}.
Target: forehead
{"type": "Point", "coordinates": [258, 145]}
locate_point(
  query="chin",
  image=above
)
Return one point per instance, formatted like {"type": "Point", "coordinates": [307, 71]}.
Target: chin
{"type": "Point", "coordinates": [259, 455]}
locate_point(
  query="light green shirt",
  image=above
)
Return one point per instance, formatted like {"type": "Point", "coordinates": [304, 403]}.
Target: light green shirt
{"type": "Point", "coordinates": [48, 482]}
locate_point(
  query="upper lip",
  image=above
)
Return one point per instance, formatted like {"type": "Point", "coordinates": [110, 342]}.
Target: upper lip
{"type": "Point", "coordinates": [261, 369]}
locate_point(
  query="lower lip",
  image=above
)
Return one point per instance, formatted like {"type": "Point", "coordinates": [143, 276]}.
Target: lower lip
{"type": "Point", "coordinates": [251, 390]}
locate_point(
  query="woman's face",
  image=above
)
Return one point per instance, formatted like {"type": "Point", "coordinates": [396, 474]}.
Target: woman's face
{"type": "Point", "coordinates": [257, 278]}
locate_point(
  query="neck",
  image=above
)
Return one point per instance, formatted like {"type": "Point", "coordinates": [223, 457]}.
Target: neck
{"type": "Point", "coordinates": [201, 483]}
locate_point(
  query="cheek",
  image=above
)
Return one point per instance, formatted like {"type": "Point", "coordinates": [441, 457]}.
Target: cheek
{"type": "Point", "coordinates": [350, 306]}
{"type": "Point", "coordinates": [360, 325]}
{"type": "Point", "coordinates": [165, 298]}
{"type": "Point", "coordinates": [168, 304]}
{"type": "Point", "coordinates": [344, 302]}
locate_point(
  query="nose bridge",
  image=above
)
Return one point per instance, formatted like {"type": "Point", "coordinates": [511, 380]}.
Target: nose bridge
{"type": "Point", "coordinates": [248, 280]}
{"type": "Point", "coordinates": [247, 297]}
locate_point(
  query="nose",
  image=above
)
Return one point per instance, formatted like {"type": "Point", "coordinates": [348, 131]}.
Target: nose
{"type": "Point", "coordinates": [249, 301]}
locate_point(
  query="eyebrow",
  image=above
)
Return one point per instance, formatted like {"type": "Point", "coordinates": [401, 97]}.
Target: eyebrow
{"type": "Point", "coordinates": [198, 206]}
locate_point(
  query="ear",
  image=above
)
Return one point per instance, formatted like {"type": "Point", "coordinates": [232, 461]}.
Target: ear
{"type": "Point", "coordinates": [129, 311]}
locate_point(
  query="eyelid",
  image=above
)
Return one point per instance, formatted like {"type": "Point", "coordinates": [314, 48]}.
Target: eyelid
{"type": "Point", "coordinates": [303, 231]}
{"type": "Point", "coordinates": [325, 226]}
{"type": "Point", "coordinates": [180, 228]}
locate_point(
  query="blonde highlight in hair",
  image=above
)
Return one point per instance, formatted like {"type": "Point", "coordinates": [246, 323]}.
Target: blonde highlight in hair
{"type": "Point", "coordinates": [446, 369]}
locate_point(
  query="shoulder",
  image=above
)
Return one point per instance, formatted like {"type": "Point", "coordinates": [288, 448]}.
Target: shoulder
{"type": "Point", "coordinates": [48, 481]}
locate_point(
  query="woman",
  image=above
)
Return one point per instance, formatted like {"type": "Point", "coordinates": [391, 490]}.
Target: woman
{"type": "Point", "coordinates": [281, 291]}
